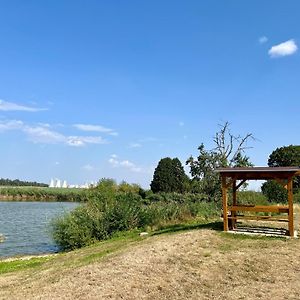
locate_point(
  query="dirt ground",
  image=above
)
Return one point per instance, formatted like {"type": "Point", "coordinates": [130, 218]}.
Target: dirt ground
{"type": "Point", "coordinates": [198, 264]}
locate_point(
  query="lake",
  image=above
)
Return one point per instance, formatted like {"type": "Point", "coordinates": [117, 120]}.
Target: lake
{"type": "Point", "coordinates": [26, 226]}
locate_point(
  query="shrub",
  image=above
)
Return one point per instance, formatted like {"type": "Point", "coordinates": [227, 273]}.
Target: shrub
{"type": "Point", "coordinates": [110, 211]}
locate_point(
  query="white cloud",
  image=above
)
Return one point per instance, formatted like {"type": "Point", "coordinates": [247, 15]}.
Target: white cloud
{"type": "Point", "coordinates": [263, 39]}
{"type": "Point", "coordinates": [79, 141]}
{"type": "Point", "coordinates": [10, 106]}
{"type": "Point", "coordinates": [287, 48]}
{"type": "Point", "coordinates": [114, 162]}
{"type": "Point", "coordinates": [88, 167]}
{"type": "Point", "coordinates": [135, 145]}
{"type": "Point", "coordinates": [95, 128]}
{"type": "Point", "coordinates": [43, 135]}
{"type": "Point", "coordinates": [11, 125]}
{"type": "Point", "coordinates": [125, 164]}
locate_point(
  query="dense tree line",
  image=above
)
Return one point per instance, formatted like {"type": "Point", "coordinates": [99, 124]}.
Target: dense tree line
{"type": "Point", "coordinates": [17, 182]}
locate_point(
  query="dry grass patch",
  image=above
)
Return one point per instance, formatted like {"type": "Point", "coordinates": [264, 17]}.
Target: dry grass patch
{"type": "Point", "coordinates": [198, 264]}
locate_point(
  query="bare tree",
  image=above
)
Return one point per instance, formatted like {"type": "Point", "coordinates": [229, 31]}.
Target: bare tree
{"type": "Point", "coordinates": [229, 147]}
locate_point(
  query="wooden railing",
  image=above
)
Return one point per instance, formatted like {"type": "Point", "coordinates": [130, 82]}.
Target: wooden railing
{"type": "Point", "coordinates": [278, 209]}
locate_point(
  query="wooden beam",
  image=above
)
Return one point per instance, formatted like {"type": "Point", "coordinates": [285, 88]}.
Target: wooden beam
{"type": "Point", "coordinates": [241, 183]}
{"type": "Point", "coordinates": [291, 207]}
{"type": "Point", "coordinates": [224, 200]}
{"type": "Point", "coordinates": [261, 208]}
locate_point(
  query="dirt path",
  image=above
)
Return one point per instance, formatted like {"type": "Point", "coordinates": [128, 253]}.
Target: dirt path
{"type": "Point", "coordinates": [199, 264]}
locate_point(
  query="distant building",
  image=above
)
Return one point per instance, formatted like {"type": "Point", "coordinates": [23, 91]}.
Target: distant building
{"type": "Point", "coordinates": [57, 183]}
{"type": "Point", "coordinates": [52, 185]}
{"type": "Point", "coordinates": [64, 185]}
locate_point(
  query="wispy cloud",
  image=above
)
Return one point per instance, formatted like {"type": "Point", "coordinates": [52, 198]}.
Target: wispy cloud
{"type": "Point", "coordinates": [42, 133]}
{"type": "Point", "coordinates": [125, 164]}
{"type": "Point", "coordinates": [263, 39]}
{"type": "Point", "coordinates": [287, 48]}
{"type": "Point", "coordinates": [95, 128]}
{"type": "Point", "coordinates": [181, 123]}
{"type": "Point", "coordinates": [11, 106]}
{"type": "Point", "coordinates": [135, 145]}
{"type": "Point", "coordinates": [11, 125]}
{"type": "Point", "coordinates": [79, 141]}
{"type": "Point", "coordinates": [88, 167]}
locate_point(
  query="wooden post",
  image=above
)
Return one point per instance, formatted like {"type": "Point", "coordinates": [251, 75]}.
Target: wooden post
{"type": "Point", "coordinates": [291, 208]}
{"type": "Point", "coordinates": [234, 203]}
{"type": "Point", "coordinates": [224, 198]}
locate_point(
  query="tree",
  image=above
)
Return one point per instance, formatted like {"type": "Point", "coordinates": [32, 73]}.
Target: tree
{"type": "Point", "coordinates": [229, 151]}
{"type": "Point", "coordinates": [282, 157]}
{"type": "Point", "coordinates": [274, 191]}
{"type": "Point", "coordinates": [169, 176]}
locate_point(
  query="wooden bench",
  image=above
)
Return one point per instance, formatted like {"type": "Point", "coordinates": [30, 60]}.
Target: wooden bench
{"type": "Point", "coordinates": [278, 209]}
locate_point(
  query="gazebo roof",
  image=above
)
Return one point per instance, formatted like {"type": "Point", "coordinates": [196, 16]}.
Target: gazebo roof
{"type": "Point", "coordinates": [259, 173]}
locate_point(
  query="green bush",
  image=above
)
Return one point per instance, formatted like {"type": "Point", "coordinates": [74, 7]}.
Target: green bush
{"type": "Point", "coordinates": [108, 211]}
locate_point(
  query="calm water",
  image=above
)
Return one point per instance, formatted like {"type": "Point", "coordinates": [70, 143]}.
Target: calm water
{"type": "Point", "coordinates": [26, 228]}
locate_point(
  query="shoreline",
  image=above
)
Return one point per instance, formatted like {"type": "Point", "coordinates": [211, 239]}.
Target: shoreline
{"type": "Point", "coordinates": [27, 257]}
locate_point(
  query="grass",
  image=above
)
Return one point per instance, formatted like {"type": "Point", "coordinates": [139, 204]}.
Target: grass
{"type": "Point", "coordinates": [196, 254]}
{"type": "Point", "coordinates": [74, 258]}
{"type": "Point", "coordinates": [22, 264]}
{"type": "Point", "coordinates": [30, 193]}
{"type": "Point", "coordinates": [97, 251]}
{"type": "Point", "coordinates": [122, 241]}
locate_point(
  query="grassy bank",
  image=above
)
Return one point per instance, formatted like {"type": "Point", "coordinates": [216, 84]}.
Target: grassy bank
{"type": "Point", "coordinates": [95, 252]}
{"type": "Point", "coordinates": [172, 263]}
{"type": "Point", "coordinates": [41, 194]}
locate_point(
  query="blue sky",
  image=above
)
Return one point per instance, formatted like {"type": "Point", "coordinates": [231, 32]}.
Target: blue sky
{"type": "Point", "coordinates": [93, 89]}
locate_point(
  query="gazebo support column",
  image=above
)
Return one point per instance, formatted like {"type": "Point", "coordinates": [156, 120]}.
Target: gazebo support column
{"type": "Point", "coordinates": [234, 203]}
{"type": "Point", "coordinates": [291, 207]}
{"type": "Point", "coordinates": [225, 203]}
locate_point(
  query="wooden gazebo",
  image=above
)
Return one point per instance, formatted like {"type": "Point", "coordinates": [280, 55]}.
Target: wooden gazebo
{"type": "Point", "coordinates": [233, 178]}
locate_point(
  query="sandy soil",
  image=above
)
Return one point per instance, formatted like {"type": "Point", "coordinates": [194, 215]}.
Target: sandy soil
{"type": "Point", "coordinates": [199, 264]}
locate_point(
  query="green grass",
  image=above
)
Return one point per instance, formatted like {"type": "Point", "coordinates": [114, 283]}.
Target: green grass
{"type": "Point", "coordinates": [76, 258]}
{"type": "Point", "coordinates": [22, 264]}
{"type": "Point", "coordinates": [28, 193]}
